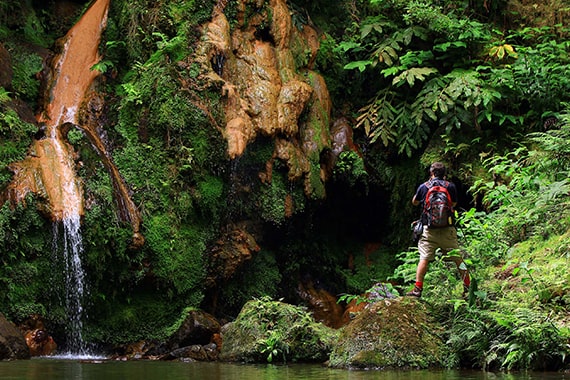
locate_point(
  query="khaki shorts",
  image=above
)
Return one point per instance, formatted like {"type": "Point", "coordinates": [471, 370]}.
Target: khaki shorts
{"type": "Point", "coordinates": [434, 238]}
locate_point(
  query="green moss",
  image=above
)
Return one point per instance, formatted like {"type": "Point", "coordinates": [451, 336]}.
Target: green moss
{"type": "Point", "coordinates": [389, 334]}
{"type": "Point", "coordinates": [26, 65]}
{"type": "Point", "coordinates": [15, 138]}
{"type": "Point", "coordinates": [141, 316]}
{"type": "Point", "coordinates": [177, 255]}
{"type": "Point", "coordinates": [259, 278]}
{"type": "Point", "coordinates": [209, 195]}
{"type": "Point", "coordinates": [267, 330]}
{"type": "Point", "coordinates": [272, 199]}
{"type": "Point", "coordinates": [25, 243]}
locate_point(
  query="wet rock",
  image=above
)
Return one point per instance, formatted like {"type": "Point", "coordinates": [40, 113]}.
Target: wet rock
{"type": "Point", "coordinates": [40, 343]}
{"type": "Point", "coordinates": [322, 304]}
{"type": "Point", "coordinates": [12, 343]}
{"type": "Point", "coordinates": [269, 87]}
{"type": "Point", "coordinates": [230, 252]}
{"type": "Point", "coordinates": [198, 328]}
{"type": "Point", "coordinates": [38, 339]}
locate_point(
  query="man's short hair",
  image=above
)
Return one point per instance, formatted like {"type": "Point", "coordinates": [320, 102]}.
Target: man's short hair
{"type": "Point", "coordinates": [437, 169]}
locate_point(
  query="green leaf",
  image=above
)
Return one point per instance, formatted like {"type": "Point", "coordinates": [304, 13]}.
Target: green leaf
{"type": "Point", "coordinates": [360, 65]}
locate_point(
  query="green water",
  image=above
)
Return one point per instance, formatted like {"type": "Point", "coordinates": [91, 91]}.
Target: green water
{"type": "Point", "coordinates": [48, 369]}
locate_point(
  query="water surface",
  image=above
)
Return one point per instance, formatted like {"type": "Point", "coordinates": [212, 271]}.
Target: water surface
{"type": "Point", "coordinates": [48, 369]}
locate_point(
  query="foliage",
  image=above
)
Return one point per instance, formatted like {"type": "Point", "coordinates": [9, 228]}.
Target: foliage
{"type": "Point", "coordinates": [458, 73]}
{"type": "Point", "coordinates": [25, 65]}
{"type": "Point", "coordinates": [517, 259]}
{"type": "Point", "coordinates": [350, 167]}
{"type": "Point", "coordinates": [25, 248]}
{"type": "Point", "coordinates": [15, 138]}
{"type": "Point", "coordinates": [141, 316]}
{"type": "Point", "coordinates": [177, 258]}
{"type": "Point", "coordinates": [521, 339]}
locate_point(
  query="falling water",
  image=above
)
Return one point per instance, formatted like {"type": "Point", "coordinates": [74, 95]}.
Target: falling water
{"type": "Point", "coordinates": [68, 249]}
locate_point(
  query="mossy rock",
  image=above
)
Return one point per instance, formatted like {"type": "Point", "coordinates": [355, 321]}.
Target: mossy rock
{"type": "Point", "coordinates": [394, 333]}
{"type": "Point", "coordinates": [273, 331]}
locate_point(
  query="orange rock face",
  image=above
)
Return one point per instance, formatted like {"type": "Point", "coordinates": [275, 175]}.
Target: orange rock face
{"type": "Point", "coordinates": [269, 86]}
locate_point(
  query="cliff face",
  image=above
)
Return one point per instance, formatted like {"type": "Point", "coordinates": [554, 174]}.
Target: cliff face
{"type": "Point", "coordinates": [206, 128]}
{"type": "Point", "coordinates": [264, 64]}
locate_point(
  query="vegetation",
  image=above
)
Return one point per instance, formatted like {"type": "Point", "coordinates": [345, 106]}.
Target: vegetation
{"type": "Point", "coordinates": [481, 86]}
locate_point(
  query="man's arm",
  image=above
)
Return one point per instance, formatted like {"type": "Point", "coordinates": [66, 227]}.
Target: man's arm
{"type": "Point", "coordinates": [415, 202]}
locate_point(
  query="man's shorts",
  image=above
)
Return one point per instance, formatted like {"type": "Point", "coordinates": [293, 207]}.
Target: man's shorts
{"type": "Point", "coordinates": [434, 238]}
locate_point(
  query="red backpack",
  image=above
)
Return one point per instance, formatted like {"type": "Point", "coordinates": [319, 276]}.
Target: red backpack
{"type": "Point", "coordinates": [438, 207]}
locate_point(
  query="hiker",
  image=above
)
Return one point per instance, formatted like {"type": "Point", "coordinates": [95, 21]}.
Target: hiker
{"type": "Point", "coordinates": [438, 229]}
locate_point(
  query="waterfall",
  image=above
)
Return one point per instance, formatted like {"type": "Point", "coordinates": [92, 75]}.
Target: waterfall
{"type": "Point", "coordinates": [69, 88]}
{"type": "Point", "coordinates": [67, 251]}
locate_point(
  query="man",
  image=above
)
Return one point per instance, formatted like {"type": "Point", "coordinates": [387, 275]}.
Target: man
{"type": "Point", "coordinates": [444, 238]}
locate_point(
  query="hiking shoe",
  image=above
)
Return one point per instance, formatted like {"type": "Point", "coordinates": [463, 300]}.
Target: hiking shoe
{"type": "Point", "coordinates": [417, 292]}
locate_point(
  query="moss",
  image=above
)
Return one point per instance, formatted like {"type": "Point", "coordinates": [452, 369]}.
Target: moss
{"type": "Point", "coordinates": [210, 192]}
{"type": "Point", "coordinates": [141, 316]}
{"type": "Point", "coordinates": [396, 333]}
{"type": "Point", "coordinates": [25, 65]}
{"type": "Point", "coordinates": [272, 199]}
{"type": "Point", "coordinates": [15, 138]}
{"type": "Point", "coordinates": [260, 278]}
{"type": "Point", "coordinates": [177, 255]}
{"type": "Point", "coordinates": [267, 330]}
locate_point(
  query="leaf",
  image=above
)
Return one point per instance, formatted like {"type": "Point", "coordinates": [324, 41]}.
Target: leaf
{"type": "Point", "coordinates": [360, 65]}
{"type": "Point", "coordinates": [345, 46]}
{"type": "Point", "coordinates": [410, 76]}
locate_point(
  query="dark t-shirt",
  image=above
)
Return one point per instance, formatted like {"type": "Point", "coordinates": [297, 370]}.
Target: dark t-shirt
{"type": "Point", "coordinates": [422, 190]}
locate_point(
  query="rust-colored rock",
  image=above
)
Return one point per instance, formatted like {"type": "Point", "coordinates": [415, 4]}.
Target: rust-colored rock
{"type": "Point", "coordinates": [322, 304]}
{"type": "Point", "coordinates": [268, 85]}
{"type": "Point", "coordinates": [40, 343]}
{"type": "Point", "coordinates": [231, 251]}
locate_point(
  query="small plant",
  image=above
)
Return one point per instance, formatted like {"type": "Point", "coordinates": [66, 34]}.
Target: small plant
{"type": "Point", "coordinates": [275, 346]}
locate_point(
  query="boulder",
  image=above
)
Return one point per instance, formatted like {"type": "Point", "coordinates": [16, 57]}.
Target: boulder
{"type": "Point", "coordinates": [274, 331]}
{"type": "Point", "coordinates": [12, 343]}
{"type": "Point", "coordinates": [390, 333]}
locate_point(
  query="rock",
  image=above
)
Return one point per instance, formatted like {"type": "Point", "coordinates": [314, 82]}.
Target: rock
{"type": "Point", "coordinates": [269, 86]}
{"type": "Point", "coordinates": [12, 343]}
{"type": "Point", "coordinates": [231, 251]}
{"type": "Point", "coordinates": [321, 303]}
{"type": "Point", "coordinates": [198, 328]}
{"type": "Point", "coordinates": [390, 333]}
{"type": "Point", "coordinates": [40, 343]}
{"type": "Point", "coordinates": [267, 330]}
